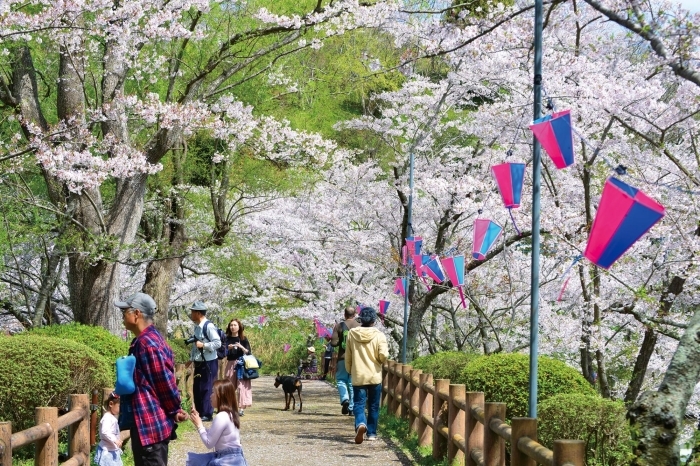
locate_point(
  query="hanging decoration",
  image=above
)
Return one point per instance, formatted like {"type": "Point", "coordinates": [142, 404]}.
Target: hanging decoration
{"type": "Point", "coordinates": [434, 270]}
{"type": "Point", "coordinates": [287, 347]}
{"type": "Point", "coordinates": [486, 232]}
{"type": "Point", "coordinates": [624, 215]}
{"type": "Point", "coordinates": [419, 260]}
{"type": "Point", "coordinates": [261, 320]}
{"type": "Point", "coordinates": [321, 330]}
{"type": "Point", "coordinates": [556, 136]}
{"type": "Point", "coordinates": [454, 268]}
{"type": "Point", "coordinates": [413, 244]}
{"type": "Point", "coordinates": [400, 286]}
{"type": "Point", "coordinates": [383, 306]}
{"type": "Point", "coordinates": [509, 178]}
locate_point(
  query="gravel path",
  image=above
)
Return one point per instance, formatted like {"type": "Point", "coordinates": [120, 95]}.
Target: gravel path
{"type": "Point", "coordinates": [319, 435]}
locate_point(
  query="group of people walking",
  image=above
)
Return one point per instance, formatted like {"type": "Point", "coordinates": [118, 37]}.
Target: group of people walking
{"type": "Point", "coordinates": [151, 413]}
{"type": "Point", "coordinates": [362, 349]}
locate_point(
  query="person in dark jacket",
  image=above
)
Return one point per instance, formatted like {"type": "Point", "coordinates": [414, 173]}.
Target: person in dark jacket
{"type": "Point", "coordinates": [342, 377]}
{"type": "Point", "coordinates": [238, 346]}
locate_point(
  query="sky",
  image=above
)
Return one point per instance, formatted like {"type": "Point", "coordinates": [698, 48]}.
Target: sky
{"type": "Point", "coordinates": [692, 5]}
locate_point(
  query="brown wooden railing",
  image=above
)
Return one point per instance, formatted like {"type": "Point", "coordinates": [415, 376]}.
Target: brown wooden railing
{"type": "Point", "coordinates": [460, 425]}
{"type": "Point", "coordinates": [80, 420]}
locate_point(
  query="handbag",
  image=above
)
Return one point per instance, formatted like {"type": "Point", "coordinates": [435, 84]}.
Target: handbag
{"type": "Point", "coordinates": [125, 375]}
{"type": "Point", "coordinates": [250, 374]}
{"type": "Point", "coordinates": [250, 362]}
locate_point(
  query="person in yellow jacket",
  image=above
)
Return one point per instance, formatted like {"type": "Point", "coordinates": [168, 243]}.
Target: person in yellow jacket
{"type": "Point", "coordinates": [366, 350]}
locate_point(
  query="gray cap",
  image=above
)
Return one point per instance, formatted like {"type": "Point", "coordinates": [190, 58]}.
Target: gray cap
{"type": "Point", "coordinates": [199, 306]}
{"type": "Point", "coordinates": [140, 301]}
{"type": "Point", "coordinates": [368, 315]}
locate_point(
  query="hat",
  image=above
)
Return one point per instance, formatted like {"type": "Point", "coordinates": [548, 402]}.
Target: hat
{"type": "Point", "coordinates": [368, 315]}
{"type": "Point", "coordinates": [199, 306]}
{"type": "Point", "coordinates": [311, 349]}
{"type": "Point", "coordinates": [140, 301]}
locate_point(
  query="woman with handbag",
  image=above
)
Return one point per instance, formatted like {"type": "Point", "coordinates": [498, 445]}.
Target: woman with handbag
{"type": "Point", "coordinates": [224, 435]}
{"type": "Point", "coordinates": [238, 346]}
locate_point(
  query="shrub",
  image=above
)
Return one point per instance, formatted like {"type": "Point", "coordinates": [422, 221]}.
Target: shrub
{"type": "Point", "coordinates": [268, 342]}
{"type": "Point", "coordinates": [42, 371]}
{"type": "Point", "coordinates": [96, 338]}
{"type": "Point", "coordinates": [599, 422]}
{"type": "Point", "coordinates": [445, 364]}
{"type": "Point", "coordinates": [505, 378]}
{"type": "Point", "coordinates": [181, 351]}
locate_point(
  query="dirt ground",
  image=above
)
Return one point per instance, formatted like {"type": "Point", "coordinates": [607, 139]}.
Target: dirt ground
{"type": "Point", "coordinates": [319, 435]}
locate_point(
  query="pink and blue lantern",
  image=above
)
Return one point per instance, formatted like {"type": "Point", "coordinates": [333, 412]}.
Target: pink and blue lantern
{"type": "Point", "coordinates": [556, 137]}
{"type": "Point", "coordinates": [486, 233]}
{"type": "Point", "coordinates": [400, 286]}
{"type": "Point", "coordinates": [414, 243]}
{"type": "Point", "coordinates": [624, 215]}
{"type": "Point", "coordinates": [434, 270]}
{"type": "Point", "coordinates": [383, 306]}
{"type": "Point", "coordinates": [321, 330]}
{"type": "Point", "coordinates": [509, 178]}
{"type": "Point", "coordinates": [454, 268]}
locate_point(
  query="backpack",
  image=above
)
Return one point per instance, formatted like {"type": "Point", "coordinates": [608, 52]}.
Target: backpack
{"type": "Point", "coordinates": [344, 338]}
{"type": "Point", "coordinates": [222, 350]}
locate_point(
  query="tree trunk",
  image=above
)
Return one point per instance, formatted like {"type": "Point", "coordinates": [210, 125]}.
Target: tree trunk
{"type": "Point", "coordinates": [657, 417]}
{"type": "Point", "coordinates": [160, 275]}
{"type": "Point", "coordinates": [640, 365]}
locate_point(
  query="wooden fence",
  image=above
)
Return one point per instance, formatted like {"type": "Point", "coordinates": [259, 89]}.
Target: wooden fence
{"type": "Point", "coordinates": [462, 426]}
{"type": "Point", "coordinates": [80, 420]}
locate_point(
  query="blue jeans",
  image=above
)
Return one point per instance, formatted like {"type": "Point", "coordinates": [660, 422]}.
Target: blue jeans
{"type": "Point", "coordinates": [372, 395]}
{"type": "Point", "coordinates": [344, 382]}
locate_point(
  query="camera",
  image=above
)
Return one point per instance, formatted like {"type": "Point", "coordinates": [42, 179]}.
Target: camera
{"type": "Point", "coordinates": [191, 340]}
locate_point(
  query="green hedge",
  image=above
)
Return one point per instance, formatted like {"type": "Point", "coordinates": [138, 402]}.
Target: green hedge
{"type": "Point", "coordinates": [445, 364]}
{"type": "Point", "coordinates": [96, 338]}
{"type": "Point", "coordinates": [505, 378]}
{"type": "Point", "coordinates": [42, 371]}
{"type": "Point", "coordinates": [599, 422]}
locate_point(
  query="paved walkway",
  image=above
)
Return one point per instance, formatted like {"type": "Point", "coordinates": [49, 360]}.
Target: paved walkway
{"type": "Point", "coordinates": [319, 435]}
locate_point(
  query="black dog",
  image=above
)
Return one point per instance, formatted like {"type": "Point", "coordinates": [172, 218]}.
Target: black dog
{"type": "Point", "coordinates": [289, 384]}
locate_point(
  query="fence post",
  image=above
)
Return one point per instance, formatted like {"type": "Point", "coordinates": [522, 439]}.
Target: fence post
{"type": "Point", "coordinates": [522, 427]}
{"type": "Point", "coordinates": [568, 451]}
{"type": "Point", "coordinates": [494, 444]}
{"type": "Point", "coordinates": [425, 408]}
{"type": "Point", "coordinates": [94, 407]}
{"type": "Point", "coordinates": [455, 424]}
{"type": "Point", "coordinates": [391, 406]}
{"type": "Point", "coordinates": [442, 386]}
{"type": "Point", "coordinates": [5, 444]}
{"type": "Point", "coordinates": [473, 429]}
{"type": "Point", "coordinates": [414, 399]}
{"type": "Point", "coordinates": [385, 382]}
{"type": "Point", "coordinates": [47, 448]}
{"type": "Point", "coordinates": [80, 431]}
{"type": "Point", "coordinates": [398, 390]}
{"type": "Point", "coordinates": [406, 392]}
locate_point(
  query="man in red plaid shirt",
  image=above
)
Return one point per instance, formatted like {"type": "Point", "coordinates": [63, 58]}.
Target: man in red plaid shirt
{"type": "Point", "coordinates": [150, 413]}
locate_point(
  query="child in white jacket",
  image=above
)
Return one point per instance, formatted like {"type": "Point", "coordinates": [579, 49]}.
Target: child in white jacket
{"type": "Point", "coordinates": [109, 451]}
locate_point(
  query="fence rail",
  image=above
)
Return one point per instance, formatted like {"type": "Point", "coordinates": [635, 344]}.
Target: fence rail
{"type": "Point", "coordinates": [460, 425]}
{"type": "Point", "coordinates": [81, 422]}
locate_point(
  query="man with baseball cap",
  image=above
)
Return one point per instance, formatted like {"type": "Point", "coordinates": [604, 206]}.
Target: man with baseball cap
{"type": "Point", "coordinates": [203, 355]}
{"type": "Point", "coordinates": [150, 413]}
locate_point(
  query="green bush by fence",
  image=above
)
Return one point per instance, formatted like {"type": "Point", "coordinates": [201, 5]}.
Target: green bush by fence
{"type": "Point", "coordinates": [505, 378]}
{"type": "Point", "coordinates": [445, 364]}
{"type": "Point", "coordinates": [42, 371]}
{"type": "Point", "coordinates": [599, 422]}
{"type": "Point", "coordinates": [96, 338]}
